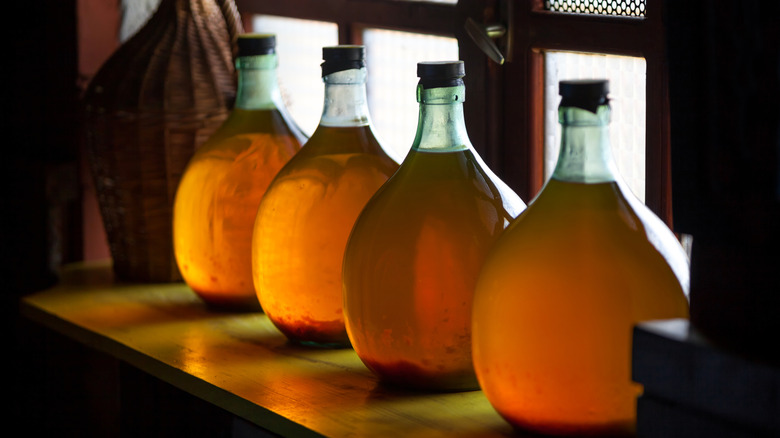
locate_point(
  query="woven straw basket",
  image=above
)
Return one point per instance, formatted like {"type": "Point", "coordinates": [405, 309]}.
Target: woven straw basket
{"type": "Point", "coordinates": [155, 100]}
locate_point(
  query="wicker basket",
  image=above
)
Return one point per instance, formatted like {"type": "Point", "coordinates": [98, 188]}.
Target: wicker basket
{"type": "Point", "coordinates": [155, 100]}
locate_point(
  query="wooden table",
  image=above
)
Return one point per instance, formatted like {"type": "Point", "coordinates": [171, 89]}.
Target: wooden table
{"type": "Point", "coordinates": [242, 364]}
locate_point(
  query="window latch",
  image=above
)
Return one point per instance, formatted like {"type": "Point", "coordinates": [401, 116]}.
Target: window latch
{"type": "Point", "coordinates": [483, 36]}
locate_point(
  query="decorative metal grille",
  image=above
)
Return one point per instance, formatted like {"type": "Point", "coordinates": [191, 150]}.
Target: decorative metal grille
{"type": "Point", "coordinates": [626, 8]}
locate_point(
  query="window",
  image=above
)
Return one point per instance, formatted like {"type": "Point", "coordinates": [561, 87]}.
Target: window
{"type": "Point", "coordinates": [397, 34]}
{"type": "Point", "coordinates": [506, 108]}
{"type": "Point", "coordinates": [299, 47]}
{"type": "Point", "coordinates": [625, 33]}
{"type": "Point", "coordinates": [392, 81]}
{"type": "Point", "coordinates": [628, 101]}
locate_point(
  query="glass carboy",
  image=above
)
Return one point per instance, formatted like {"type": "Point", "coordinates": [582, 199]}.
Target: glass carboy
{"type": "Point", "coordinates": [305, 218]}
{"type": "Point", "coordinates": [413, 258]}
{"type": "Point", "coordinates": [562, 288]}
{"type": "Point", "coordinates": [219, 193]}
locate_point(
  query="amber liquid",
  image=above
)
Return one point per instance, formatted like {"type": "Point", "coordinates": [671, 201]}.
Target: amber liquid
{"type": "Point", "coordinates": [555, 306]}
{"type": "Point", "coordinates": [411, 269]}
{"type": "Point", "coordinates": [217, 200]}
{"type": "Point", "coordinates": [302, 228]}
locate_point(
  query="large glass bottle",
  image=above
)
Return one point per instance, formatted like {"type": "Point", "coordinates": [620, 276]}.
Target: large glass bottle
{"type": "Point", "coordinates": [305, 218]}
{"type": "Point", "coordinates": [413, 257]}
{"type": "Point", "coordinates": [561, 289]}
{"type": "Point", "coordinates": [220, 191]}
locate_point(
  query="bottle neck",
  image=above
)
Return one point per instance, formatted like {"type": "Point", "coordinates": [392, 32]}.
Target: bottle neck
{"type": "Point", "coordinates": [345, 99]}
{"type": "Point", "coordinates": [585, 155]}
{"type": "Point", "coordinates": [441, 126]}
{"type": "Point", "coordinates": [258, 87]}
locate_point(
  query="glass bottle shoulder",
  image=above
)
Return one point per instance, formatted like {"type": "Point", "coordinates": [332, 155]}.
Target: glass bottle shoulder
{"type": "Point", "coordinates": [451, 184]}
{"type": "Point", "coordinates": [328, 140]}
{"type": "Point", "coordinates": [340, 147]}
{"type": "Point", "coordinates": [249, 128]}
{"type": "Point", "coordinates": [571, 221]}
{"type": "Point", "coordinates": [564, 207]}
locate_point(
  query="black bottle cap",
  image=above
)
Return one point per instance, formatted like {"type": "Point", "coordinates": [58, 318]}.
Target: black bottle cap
{"type": "Point", "coordinates": [441, 73]}
{"type": "Point", "coordinates": [255, 44]}
{"type": "Point", "coordinates": [587, 94]}
{"type": "Point", "coordinates": [339, 58]}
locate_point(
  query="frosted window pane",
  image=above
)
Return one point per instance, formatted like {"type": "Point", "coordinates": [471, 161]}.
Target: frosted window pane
{"type": "Point", "coordinates": [299, 46]}
{"type": "Point", "coordinates": [392, 59]}
{"type": "Point", "coordinates": [627, 77]}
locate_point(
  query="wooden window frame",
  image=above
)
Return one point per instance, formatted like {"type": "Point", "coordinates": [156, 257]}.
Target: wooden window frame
{"type": "Point", "coordinates": [352, 16]}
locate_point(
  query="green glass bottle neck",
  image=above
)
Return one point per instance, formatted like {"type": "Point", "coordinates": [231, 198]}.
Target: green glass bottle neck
{"type": "Point", "coordinates": [441, 126]}
{"type": "Point", "coordinates": [345, 99]}
{"type": "Point", "coordinates": [585, 155]}
{"type": "Point", "coordinates": [258, 87]}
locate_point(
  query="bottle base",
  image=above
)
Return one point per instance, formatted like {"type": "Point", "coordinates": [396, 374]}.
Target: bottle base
{"type": "Point", "coordinates": [615, 429]}
{"type": "Point", "coordinates": [309, 336]}
{"type": "Point", "coordinates": [231, 304]}
{"type": "Point", "coordinates": [409, 376]}
{"type": "Point", "coordinates": [323, 345]}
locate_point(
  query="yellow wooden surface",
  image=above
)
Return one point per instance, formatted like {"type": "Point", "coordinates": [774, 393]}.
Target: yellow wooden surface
{"type": "Point", "coordinates": [241, 363]}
